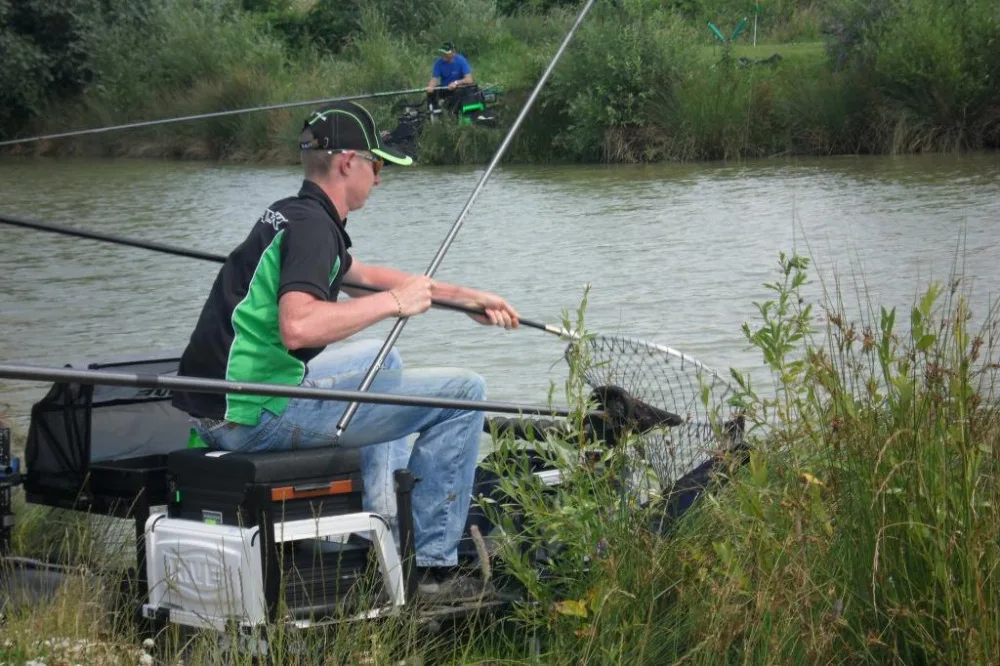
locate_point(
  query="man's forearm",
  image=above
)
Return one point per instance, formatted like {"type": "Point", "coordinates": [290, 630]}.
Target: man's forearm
{"type": "Point", "coordinates": [445, 291]}
{"type": "Point", "coordinates": [389, 278]}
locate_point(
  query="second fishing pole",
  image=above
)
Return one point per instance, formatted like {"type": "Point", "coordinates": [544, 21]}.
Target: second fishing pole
{"type": "Point", "coordinates": [214, 114]}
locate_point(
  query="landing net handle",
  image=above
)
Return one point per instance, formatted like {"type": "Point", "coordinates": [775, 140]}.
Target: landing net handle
{"type": "Point", "coordinates": [10, 477]}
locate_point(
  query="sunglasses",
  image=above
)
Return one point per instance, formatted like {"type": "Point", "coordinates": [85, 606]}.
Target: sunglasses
{"type": "Point", "coordinates": [377, 162]}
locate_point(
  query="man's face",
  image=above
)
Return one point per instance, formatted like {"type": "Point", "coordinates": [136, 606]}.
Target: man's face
{"type": "Point", "coordinates": [449, 56]}
{"type": "Point", "coordinates": [363, 170]}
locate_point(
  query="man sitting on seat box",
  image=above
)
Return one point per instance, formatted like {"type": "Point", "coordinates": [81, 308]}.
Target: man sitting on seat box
{"type": "Point", "coordinates": [451, 70]}
{"type": "Point", "coordinates": [274, 307]}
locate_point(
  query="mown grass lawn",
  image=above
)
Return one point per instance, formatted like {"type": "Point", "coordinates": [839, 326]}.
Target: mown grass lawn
{"type": "Point", "coordinates": [799, 53]}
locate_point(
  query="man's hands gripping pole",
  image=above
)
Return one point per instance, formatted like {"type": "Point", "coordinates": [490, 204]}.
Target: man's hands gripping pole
{"type": "Point", "coordinates": [414, 297]}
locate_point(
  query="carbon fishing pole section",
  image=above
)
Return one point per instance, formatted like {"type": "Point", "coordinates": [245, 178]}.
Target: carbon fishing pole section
{"type": "Point", "coordinates": [214, 114]}
{"type": "Point", "coordinates": [397, 328]}
{"type": "Point", "coordinates": [650, 370]}
{"type": "Point", "coordinates": [218, 258]}
{"type": "Point", "coordinates": [203, 385]}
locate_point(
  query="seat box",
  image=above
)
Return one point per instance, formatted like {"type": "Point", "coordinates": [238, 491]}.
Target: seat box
{"type": "Point", "coordinates": [211, 576]}
{"type": "Point", "coordinates": [282, 503]}
{"type": "Point", "coordinates": [248, 489]}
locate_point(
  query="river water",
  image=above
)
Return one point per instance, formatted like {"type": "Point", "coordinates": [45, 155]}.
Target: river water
{"type": "Point", "coordinates": [675, 254]}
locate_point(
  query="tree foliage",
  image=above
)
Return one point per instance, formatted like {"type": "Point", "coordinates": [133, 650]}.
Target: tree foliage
{"type": "Point", "coordinates": [328, 25]}
{"type": "Point", "coordinates": [46, 47]}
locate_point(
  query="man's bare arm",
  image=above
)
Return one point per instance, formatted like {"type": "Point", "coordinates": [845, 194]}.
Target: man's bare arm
{"type": "Point", "coordinates": [498, 311]}
{"type": "Point", "coordinates": [307, 321]}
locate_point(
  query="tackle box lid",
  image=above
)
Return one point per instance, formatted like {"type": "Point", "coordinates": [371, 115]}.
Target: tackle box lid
{"type": "Point", "coordinates": [234, 470]}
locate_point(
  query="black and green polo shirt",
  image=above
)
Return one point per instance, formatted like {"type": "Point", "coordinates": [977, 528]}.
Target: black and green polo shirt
{"type": "Point", "coordinates": [298, 244]}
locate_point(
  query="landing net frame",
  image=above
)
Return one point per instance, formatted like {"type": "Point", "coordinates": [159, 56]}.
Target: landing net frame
{"type": "Point", "coordinates": [666, 379]}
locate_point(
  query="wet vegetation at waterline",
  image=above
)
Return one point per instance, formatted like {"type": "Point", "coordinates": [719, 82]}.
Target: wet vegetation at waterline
{"type": "Point", "coordinates": [643, 80]}
{"type": "Point", "coordinates": [865, 527]}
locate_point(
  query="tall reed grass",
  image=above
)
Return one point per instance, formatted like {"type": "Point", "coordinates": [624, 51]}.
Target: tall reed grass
{"type": "Point", "coordinates": [864, 529]}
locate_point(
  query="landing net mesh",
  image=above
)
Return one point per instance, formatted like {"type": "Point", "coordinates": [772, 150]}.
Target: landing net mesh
{"type": "Point", "coordinates": [669, 380]}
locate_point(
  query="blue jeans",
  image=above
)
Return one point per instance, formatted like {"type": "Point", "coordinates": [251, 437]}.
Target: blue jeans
{"type": "Point", "coordinates": [444, 454]}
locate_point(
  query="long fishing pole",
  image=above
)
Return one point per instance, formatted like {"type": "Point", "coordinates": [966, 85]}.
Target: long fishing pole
{"type": "Point", "coordinates": [215, 114]}
{"type": "Point", "coordinates": [218, 258]}
{"type": "Point", "coordinates": [397, 328]}
{"type": "Point", "coordinates": [206, 256]}
{"type": "Point", "coordinates": [203, 385]}
{"type": "Point", "coordinates": [110, 238]}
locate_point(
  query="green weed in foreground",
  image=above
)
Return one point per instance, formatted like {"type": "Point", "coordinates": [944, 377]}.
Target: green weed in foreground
{"type": "Point", "coordinates": [864, 529]}
{"type": "Point", "coordinates": [867, 526]}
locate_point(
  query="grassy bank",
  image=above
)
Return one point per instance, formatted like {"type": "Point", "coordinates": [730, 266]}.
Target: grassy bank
{"type": "Point", "coordinates": [642, 81]}
{"type": "Point", "coordinates": [864, 529]}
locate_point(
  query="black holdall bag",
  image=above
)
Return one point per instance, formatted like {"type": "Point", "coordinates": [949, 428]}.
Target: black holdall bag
{"type": "Point", "coordinates": [91, 447]}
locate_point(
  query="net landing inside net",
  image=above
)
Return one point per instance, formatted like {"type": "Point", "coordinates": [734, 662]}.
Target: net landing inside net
{"type": "Point", "coordinates": [664, 379]}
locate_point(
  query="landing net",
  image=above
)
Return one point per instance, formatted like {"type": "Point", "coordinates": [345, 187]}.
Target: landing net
{"type": "Point", "coordinates": [664, 379]}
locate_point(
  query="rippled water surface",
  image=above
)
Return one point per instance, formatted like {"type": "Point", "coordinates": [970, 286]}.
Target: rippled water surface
{"type": "Point", "coordinates": [673, 254]}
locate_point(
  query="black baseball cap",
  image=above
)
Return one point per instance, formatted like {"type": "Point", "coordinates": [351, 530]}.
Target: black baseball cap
{"type": "Point", "coordinates": [447, 47]}
{"type": "Point", "coordinates": [348, 126]}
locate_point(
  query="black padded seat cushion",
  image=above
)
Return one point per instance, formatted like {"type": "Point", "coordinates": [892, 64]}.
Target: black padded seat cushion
{"type": "Point", "coordinates": [233, 470]}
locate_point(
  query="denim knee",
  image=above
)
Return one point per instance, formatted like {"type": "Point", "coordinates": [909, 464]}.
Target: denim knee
{"type": "Point", "coordinates": [473, 386]}
{"type": "Point", "coordinates": [393, 361]}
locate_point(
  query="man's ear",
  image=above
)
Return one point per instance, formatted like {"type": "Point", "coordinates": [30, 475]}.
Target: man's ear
{"type": "Point", "coordinates": [342, 163]}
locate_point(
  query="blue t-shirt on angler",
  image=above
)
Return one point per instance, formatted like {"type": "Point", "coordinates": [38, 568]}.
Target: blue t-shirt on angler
{"type": "Point", "coordinates": [446, 72]}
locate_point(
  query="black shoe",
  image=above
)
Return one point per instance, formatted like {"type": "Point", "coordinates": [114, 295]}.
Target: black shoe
{"type": "Point", "coordinates": [450, 586]}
